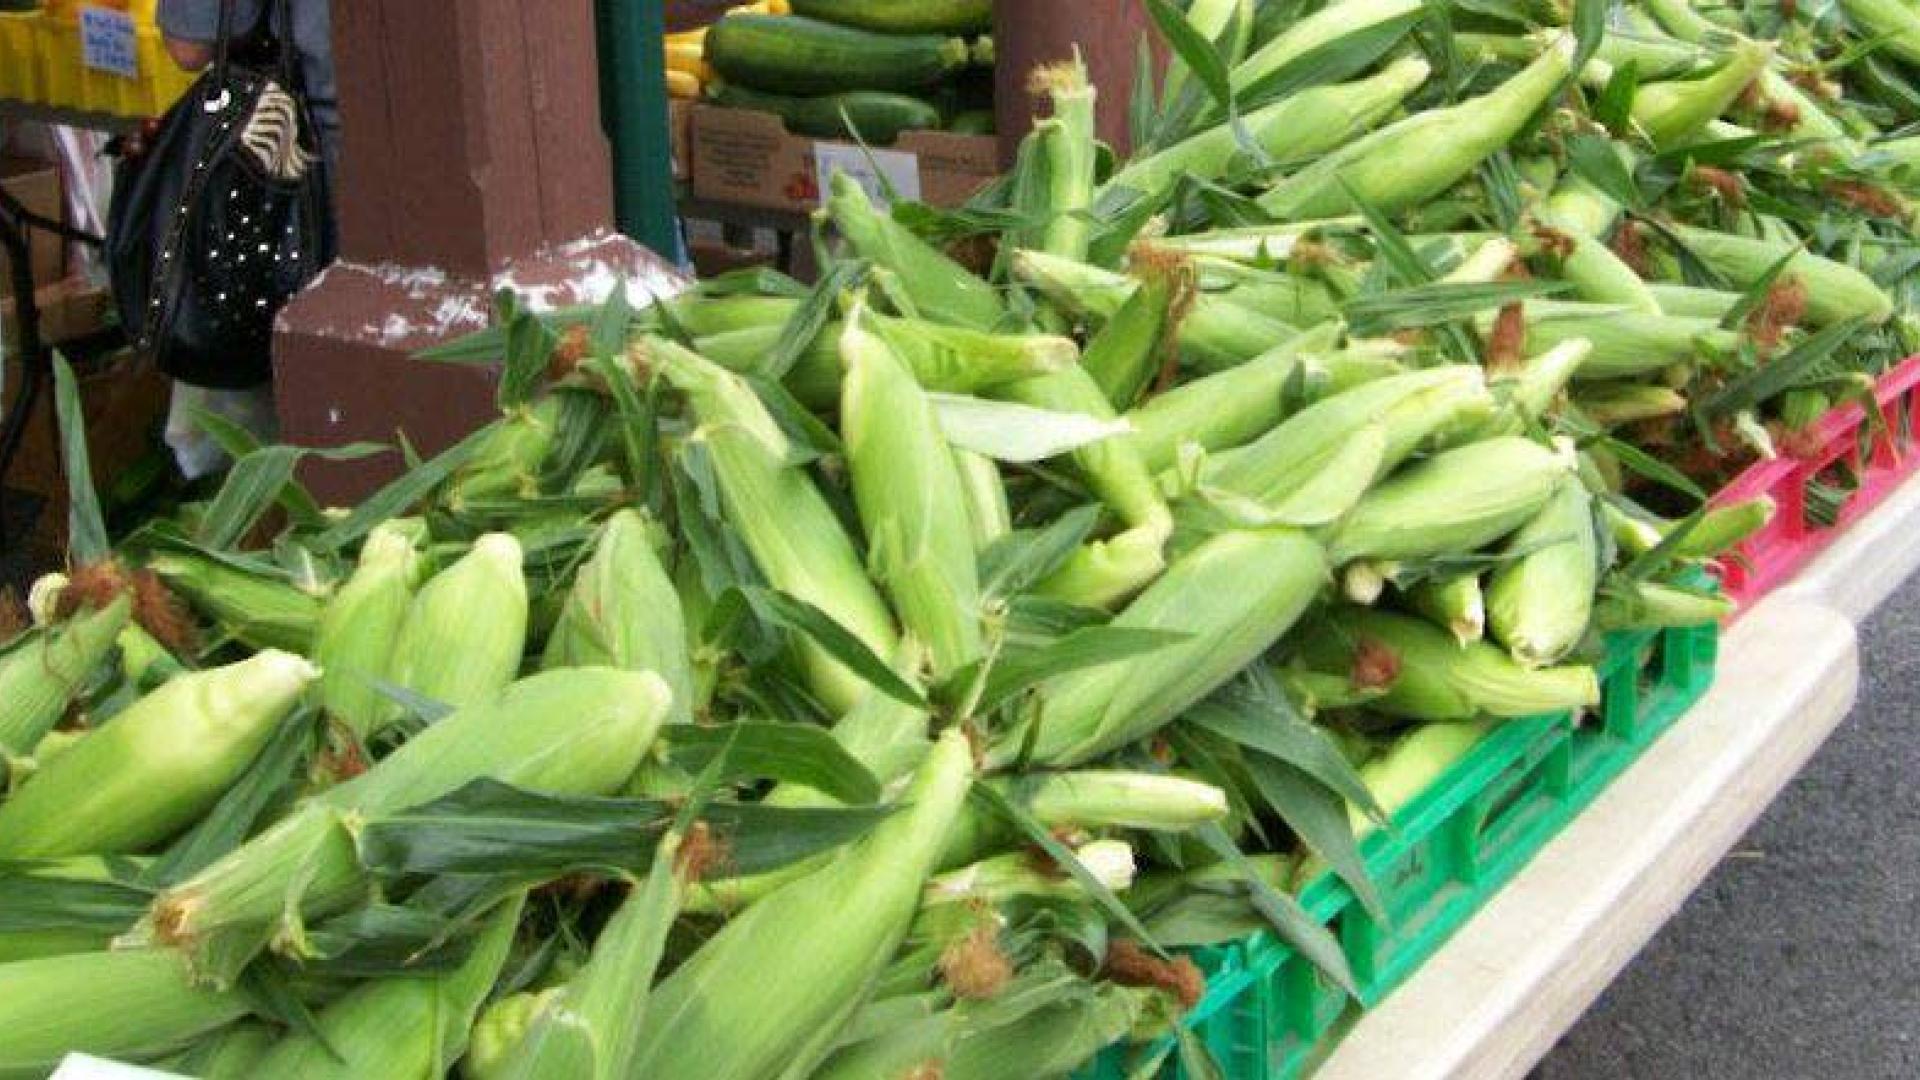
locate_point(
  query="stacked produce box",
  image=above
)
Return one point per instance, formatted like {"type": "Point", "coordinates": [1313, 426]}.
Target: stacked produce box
{"type": "Point", "coordinates": [898, 675]}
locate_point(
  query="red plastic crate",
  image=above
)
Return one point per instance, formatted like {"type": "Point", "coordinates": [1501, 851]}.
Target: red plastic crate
{"type": "Point", "coordinates": [1793, 537]}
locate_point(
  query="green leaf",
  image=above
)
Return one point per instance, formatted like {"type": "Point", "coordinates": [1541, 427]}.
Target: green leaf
{"type": "Point", "coordinates": [1589, 27]}
{"type": "Point", "coordinates": [1195, 51]}
{"type": "Point", "coordinates": [261, 479]}
{"type": "Point", "coordinates": [1592, 158]}
{"type": "Point", "coordinates": [613, 323]}
{"type": "Point", "coordinates": [1390, 244]}
{"type": "Point", "coordinates": [266, 785]}
{"type": "Point", "coordinates": [385, 941]}
{"type": "Point", "coordinates": [801, 617]}
{"type": "Point", "coordinates": [1439, 303]}
{"type": "Point", "coordinates": [1020, 434]}
{"type": "Point", "coordinates": [1015, 562]}
{"type": "Point", "coordinates": [1267, 723]}
{"type": "Point", "coordinates": [1613, 109]}
{"type": "Point", "coordinates": [86, 527]}
{"type": "Point", "coordinates": [1756, 294]}
{"type": "Point", "coordinates": [1019, 670]}
{"type": "Point", "coordinates": [400, 496]}
{"type": "Point", "coordinates": [1288, 918]}
{"type": "Point", "coordinates": [792, 753]}
{"type": "Point", "coordinates": [530, 346]}
{"type": "Point", "coordinates": [489, 828]}
{"type": "Point", "coordinates": [1141, 106]}
{"type": "Point", "coordinates": [36, 899]}
{"type": "Point", "coordinates": [1502, 184]}
{"type": "Point", "coordinates": [1779, 375]}
{"type": "Point", "coordinates": [811, 317]}
{"type": "Point", "coordinates": [1341, 58]}
{"type": "Point", "coordinates": [1319, 818]}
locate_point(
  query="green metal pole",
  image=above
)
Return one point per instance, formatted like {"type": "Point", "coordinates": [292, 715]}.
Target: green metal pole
{"type": "Point", "coordinates": [633, 101]}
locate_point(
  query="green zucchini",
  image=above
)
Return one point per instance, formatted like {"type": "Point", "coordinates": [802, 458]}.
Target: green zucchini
{"type": "Point", "coordinates": [878, 116]}
{"type": "Point", "coordinates": [972, 122]}
{"type": "Point", "coordinates": [786, 54]}
{"type": "Point", "coordinates": [903, 16]}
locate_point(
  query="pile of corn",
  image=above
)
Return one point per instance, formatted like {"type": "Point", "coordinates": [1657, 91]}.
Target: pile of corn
{"type": "Point", "coordinates": [887, 678]}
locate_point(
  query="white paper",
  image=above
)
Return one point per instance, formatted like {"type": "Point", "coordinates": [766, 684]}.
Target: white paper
{"type": "Point", "coordinates": [83, 1067]}
{"type": "Point", "coordinates": [108, 42]}
{"type": "Point", "coordinates": [867, 167]}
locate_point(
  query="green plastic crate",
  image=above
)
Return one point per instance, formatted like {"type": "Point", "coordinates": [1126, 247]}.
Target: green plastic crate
{"type": "Point", "coordinates": [1269, 1014]}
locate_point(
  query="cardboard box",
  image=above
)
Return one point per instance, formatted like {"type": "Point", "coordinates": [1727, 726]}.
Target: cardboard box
{"type": "Point", "coordinates": [680, 138]}
{"type": "Point", "coordinates": [68, 309]}
{"type": "Point", "coordinates": [37, 185]}
{"type": "Point", "coordinates": [751, 159]}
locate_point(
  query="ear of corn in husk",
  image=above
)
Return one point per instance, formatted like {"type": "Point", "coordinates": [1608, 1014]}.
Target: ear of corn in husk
{"type": "Point", "coordinates": [1456, 604]}
{"type": "Point", "coordinates": [1453, 502]}
{"type": "Point", "coordinates": [1114, 468]}
{"type": "Point", "coordinates": [1671, 112]}
{"type": "Point", "coordinates": [1835, 291]}
{"type": "Point", "coordinates": [1414, 159]}
{"type": "Point", "coordinates": [1104, 574]}
{"type": "Point", "coordinates": [1088, 799]}
{"type": "Point", "coordinates": [464, 631]}
{"type": "Point", "coordinates": [1235, 595]}
{"type": "Point", "coordinates": [360, 630]}
{"type": "Point", "coordinates": [1000, 878]}
{"type": "Point", "coordinates": [1648, 605]}
{"type": "Point", "coordinates": [785, 523]}
{"type": "Point", "coordinates": [989, 517]}
{"type": "Point", "coordinates": [1228, 408]}
{"type": "Point", "coordinates": [911, 500]}
{"type": "Point", "coordinates": [1540, 602]}
{"type": "Point", "coordinates": [132, 1005]}
{"type": "Point", "coordinates": [573, 731]}
{"type": "Point", "coordinates": [942, 290]}
{"type": "Point", "coordinates": [1067, 142]}
{"type": "Point", "coordinates": [157, 767]}
{"type": "Point", "coordinates": [826, 936]}
{"type": "Point", "coordinates": [623, 612]}
{"type": "Point", "coordinates": [1625, 343]}
{"type": "Point", "coordinates": [41, 675]}
{"type": "Point", "coordinates": [400, 1026]}
{"type": "Point", "coordinates": [1435, 678]}
{"type": "Point", "coordinates": [261, 612]}
{"type": "Point", "coordinates": [1133, 346]}
{"type": "Point", "coordinates": [509, 459]}
{"type": "Point", "coordinates": [1315, 32]}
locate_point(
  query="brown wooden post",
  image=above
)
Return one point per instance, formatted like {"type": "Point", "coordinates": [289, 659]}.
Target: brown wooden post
{"type": "Point", "coordinates": [472, 160]}
{"type": "Point", "coordinates": [1027, 34]}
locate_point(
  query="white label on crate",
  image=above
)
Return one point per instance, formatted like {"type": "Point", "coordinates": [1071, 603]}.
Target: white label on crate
{"type": "Point", "coordinates": [900, 169]}
{"type": "Point", "coordinates": [83, 1067]}
{"type": "Point", "coordinates": [108, 41]}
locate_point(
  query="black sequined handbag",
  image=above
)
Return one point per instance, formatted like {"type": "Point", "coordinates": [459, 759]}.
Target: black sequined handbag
{"type": "Point", "coordinates": [224, 214]}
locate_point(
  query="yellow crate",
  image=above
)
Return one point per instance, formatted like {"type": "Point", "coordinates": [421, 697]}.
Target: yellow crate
{"type": "Point", "coordinates": [20, 58]}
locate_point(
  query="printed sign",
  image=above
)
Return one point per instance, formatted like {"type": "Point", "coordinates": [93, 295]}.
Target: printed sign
{"type": "Point", "coordinates": [900, 169]}
{"type": "Point", "coordinates": [108, 41]}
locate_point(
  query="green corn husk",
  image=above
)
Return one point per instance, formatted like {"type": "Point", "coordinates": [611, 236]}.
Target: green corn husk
{"type": "Point", "coordinates": [1539, 604]}
{"type": "Point", "coordinates": [501, 1030]}
{"type": "Point", "coordinates": [826, 937]}
{"type": "Point", "coordinates": [1327, 450]}
{"type": "Point", "coordinates": [1723, 528]}
{"type": "Point", "coordinates": [1452, 503]}
{"type": "Point", "coordinates": [1091, 800]}
{"type": "Point", "coordinates": [232, 1053]}
{"type": "Point", "coordinates": [623, 612]}
{"type": "Point", "coordinates": [911, 500]}
{"type": "Point", "coordinates": [1835, 291]}
{"type": "Point", "coordinates": [1001, 878]}
{"type": "Point", "coordinates": [1625, 343]}
{"type": "Point", "coordinates": [1314, 32]}
{"type": "Point", "coordinates": [1530, 392]}
{"type": "Point", "coordinates": [1257, 244]}
{"type": "Point", "coordinates": [131, 1005]}
{"type": "Point", "coordinates": [1585, 215]}
{"type": "Point", "coordinates": [1410, 766]}
{"type": "Point", "coordinates": [577, 731]}
{"type": "Point", "coordinates": [1456, 604]}
{"type": "Point", "coordinates": [1438, 678]}
{"type": "Point", "coordinates": [1301, 125]}
{"type": "Point", "coordinates": [88, 873]}
{"type": "Point", "coordinates": [144, 662]}
{"type": "Point", "coordinates": [989, 517]}
{"type": "Point", "coordinates": [360, 630]}
{"type": "Point", "coordinates": [464, 632]}
{"type": "Point", "coordinates": [41, 675]}
{"type": "Point", "coordinates": [1892, 23]}
{"type": "Point", "coordinates": [1672, 112]}
{"type": "Point", "coordinates": [1103, 574]}
{"type": "Point", "coordinates": [1125, 355]}
{"type": "Point", "coordinates": [403, 1028]}
{"type": "Point", "coordinates": [1071, 157]}
{"type": "Point", "coordinates": [793, 535]}
{"type": "Point", "coordinates": [953, 359]}
{"type": "Point", "coordinates": [942, 290]}
{"type": "Point", "coordinates": [1214, 334]}
{"type": "Point", "coordinates": [157, 767]}
{"type": "Point", "coordinates": [507, 465]}
{"type": "Point", "coordinates": [1229, 408]}
{"type": "Point", "coordinates": [1413, 160]}
{"type": "Point", "coordinates": [1691, 301]}
{"type": "Point", "coordinates": [705, 316]}
{"type": "Point", "coordinates": [1114, 468]}
{"type": "Point", "coordinates": [1800, 409]}
{"type": "Point", "coordinates": [969, 1042]}
{"type": "Point", "coordinates": [1211, 19]}
{"type": "Point", "coordinates": [1235, 595]}
{"type": "Point", "coordinates": [260, 612]}
{"type": "Point", "coordinates": [1646, 605]}
{"type": "Point", "coordinates": [1614, 404]}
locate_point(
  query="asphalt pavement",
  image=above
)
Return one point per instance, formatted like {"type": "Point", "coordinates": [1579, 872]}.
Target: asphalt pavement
{"type": "Point", "coordinates": [1800, 955]}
